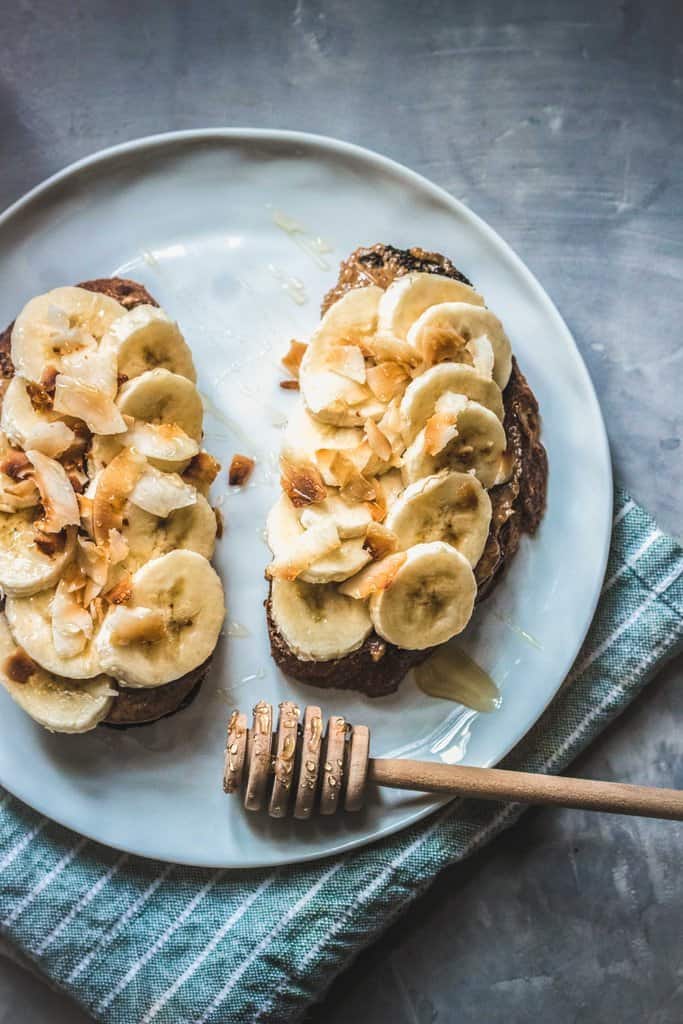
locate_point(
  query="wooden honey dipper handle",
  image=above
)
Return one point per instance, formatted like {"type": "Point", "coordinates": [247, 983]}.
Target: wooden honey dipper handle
{"type": "Point", "coordinates": [302, 768]}
{"type": "Point", "coordinates": [527, 787]}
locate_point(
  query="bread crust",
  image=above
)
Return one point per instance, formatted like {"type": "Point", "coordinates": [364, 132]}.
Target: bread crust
{"type": "Point", "coordinates": [378, 667]}
{"type": "Point", "coordinates": [133, 706]}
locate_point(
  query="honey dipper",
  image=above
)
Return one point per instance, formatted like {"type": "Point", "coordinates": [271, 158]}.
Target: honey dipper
{"type": "Point", "coordinates": [301, 764]}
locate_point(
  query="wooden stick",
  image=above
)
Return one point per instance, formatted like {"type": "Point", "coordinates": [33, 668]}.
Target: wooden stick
{"type": "Point", "coordinates": [527, 788]}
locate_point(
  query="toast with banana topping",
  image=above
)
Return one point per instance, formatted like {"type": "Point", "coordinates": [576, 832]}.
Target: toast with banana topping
{"type": "Point", "coordinates": [111, 609]}
{"type": "Point", "coordinates": [410, 469]}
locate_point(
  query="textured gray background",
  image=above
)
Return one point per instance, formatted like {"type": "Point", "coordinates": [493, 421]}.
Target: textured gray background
{"type": "Point", "coordinates": [560, 123]}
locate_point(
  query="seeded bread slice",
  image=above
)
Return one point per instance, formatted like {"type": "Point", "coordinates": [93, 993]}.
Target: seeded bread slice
{"type": "Point", "coordinates": [378, 667]}
{"type": "Point", "coordinates": [132, 706]}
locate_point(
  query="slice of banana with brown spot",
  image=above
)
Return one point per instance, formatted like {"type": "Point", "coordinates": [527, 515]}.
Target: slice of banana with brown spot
{"type": "Point", "coordinates": [145, 338]}
{"type": "Point", "coordinates": [477, 442]}
{"type": "Point", "coordinates": [450, 506]}
{"type": "Point", "coordinates": [53, 327]}
{"type": "Point", "coordinates": [317, 622]}
{"type": "Point", "coordinates": [184, 588]}
{"type": "Point", "coordinates": [429, 600]}
{"type": "Point", "coordinates": [57, 703]}
{"type": "Point", "coordinates": [409, 296]}
{"type": "Point", "coordinates": [422, 394]}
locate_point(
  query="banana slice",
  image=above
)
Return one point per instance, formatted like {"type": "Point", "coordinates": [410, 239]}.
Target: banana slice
{"type": "Point", "coordinates": [472, 439]}
{"type": "Point", "coordinates": [408, 297]}
{"type": "Point", "coordinates": [472, 323]}
{"type": "Point", "coordinates": [159, 397]}
{"type": "Point", "coordinates": [332, 371]}
{"type": "Point", "coordinates": [26, 427]}
{"type": "Point", "coordinates": [58, 704]}
{"type": "Point", "coordinates": [31, 561]}
{"type": "Point", "coordinates": [186, 529]}
{"type": "Point", "coordinates": [283, 530]}
{"type": "Point", "coordinates": [31, 622]}
{"type": "Point", "coordinates": [429, 600]}
{"type": "Point", "coordinates": [316, 621]}
{"type": "Point", "coordinates": [54, 326]}
{"type": "Point", "coordinates": [145, 338]}
{"type": "Point", "coordinates": [452, 507]}
{"type": "Point", "coordinates": [179, 598]}
{"type": "Point", "coordinates": [422, 394]}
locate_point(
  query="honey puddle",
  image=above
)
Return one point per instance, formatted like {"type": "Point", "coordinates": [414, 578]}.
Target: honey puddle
{"type": "Point", "coordinates": [453, 675]}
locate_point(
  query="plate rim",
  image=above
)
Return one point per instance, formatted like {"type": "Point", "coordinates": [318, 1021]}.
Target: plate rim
{"type": "Point", "coordinates": [412, 178]}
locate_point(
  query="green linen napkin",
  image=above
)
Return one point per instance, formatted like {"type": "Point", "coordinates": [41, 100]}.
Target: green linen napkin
{"type": "Point", "coordinates": [136, 941]}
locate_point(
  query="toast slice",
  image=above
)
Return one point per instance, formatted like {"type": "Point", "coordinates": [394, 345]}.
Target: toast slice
{"type": "Point", "coordinates": [377, 667]}
{"type": "Point", "coordinates": [132, 706]}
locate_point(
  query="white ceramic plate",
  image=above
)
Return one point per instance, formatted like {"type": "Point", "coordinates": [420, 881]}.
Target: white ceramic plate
{"type": "Point", "coordinates": [193, 216]}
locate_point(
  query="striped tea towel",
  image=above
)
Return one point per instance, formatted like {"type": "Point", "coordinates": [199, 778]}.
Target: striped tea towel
{"type": "Point", "coordinates": [138, 942]}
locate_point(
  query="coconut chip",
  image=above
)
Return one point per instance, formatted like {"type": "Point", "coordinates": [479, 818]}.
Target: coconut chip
{"type": "Point", "coordinates": [380, 541]}
{"type": "Point", "coordinates": [241, 468]}
{"type": "Point", "coordinates": [165, 441]}
{"type": "Point", "coordinates": [378, 441]}
{"type": "Point", "coordinates": [162, 493]}
{"type": "Point", "coordinates": [72, 624]}
{"type": "Point", "coordinates": [202, 471]}
{"type": "Point", "coordinates": [292, 360]}
{"type": "Point", "coordinates": [440, 430]}
{"type": "Point", "coordinates": [300, 479]}
{"type": "Point", "coordinates": [310, 546]}
{"type": "Point", "coordinates": [114, 487]}
{"type": "Point", "coordinates": [87, 403]}
{"type": "Point", "coordinates": [377, 576]}
{"type": "Point", "coordinates": [387, 380]}
{"type": "Point", "coordinates": [346, 360]}
{"type": "Point", "coordinates": [56, 493]}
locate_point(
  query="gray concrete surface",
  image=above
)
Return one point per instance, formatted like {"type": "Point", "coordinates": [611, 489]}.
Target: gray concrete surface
{"type": "Point", "coordinates": [561, 123]}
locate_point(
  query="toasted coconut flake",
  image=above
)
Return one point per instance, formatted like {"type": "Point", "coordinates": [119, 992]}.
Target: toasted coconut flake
{"type": "Point", "coordinates": [165, 441]}
{"type": "Point", "coordinates": [292, 359]}
{"type": "Point", "coordinates": [49, 543]}
{"type": "Point", "coordinates": [386, 348]}
{"type": "Point", "coordinates": [380, 541]}
{"type": "Point", "coordinates": [375, 577]}
{"type": "Point", "coordinates": [136, 625]}
{"type": "Point", "coordinates": [202, 471]}
{"type": "Point", "coordinates": [289, 385]}
{"type": "Point", "coordinates": [72, 625]}
{"type": "Point", "coordinates": [378, 506]}
{"type": "Point", "coordinates": [300, 479]}
{"type": "Point", "coordinates": [85, 508]}
{"type": "Point", "coordinates": [92, 561]}
{"type": "Point", "coordinates": [346, 360]}
{"type": "Point", "coordinates": [118, 547]}
{"type": "Point", "coordinates": [87, 403]}
{"type": "Point", "coordinates": [241, 468]}
{"type": "Point", "coordinates": [122, 591]}
{"type": "Point", "coordinates": [442, 345]}
{"type": "Point", "coordinates": [440, 429]}
{"type": "Point", "coordinates": [162, 493]}
{"type": "Point", "coordinates": [17, 496]}
{"type": "Point", "coordinates": [56, 493]}
{"type": "Point", "coordinates": [354, 486]}
{"type": "Point", "coordinates": [16, 465]}
{"type": "Point", "coordinates": [390, 425]}
{"type": "Point", "coordinates": [387, 380]}
{"type": "Point", "coordinates": [310, 546]}
{"type": "Point", "coordinates": [114, 487]}
{"type": "Point", "coordinates": [378, 441]}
